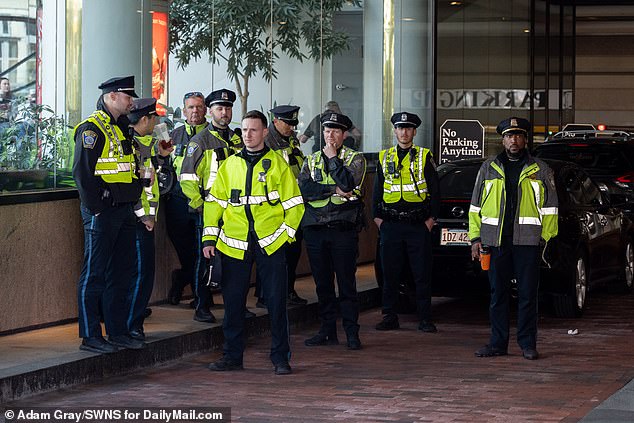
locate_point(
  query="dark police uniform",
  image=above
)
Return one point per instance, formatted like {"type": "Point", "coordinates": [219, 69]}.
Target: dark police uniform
{"type": "Point", "coordinates": [331, 224]}
{"type": "Point", "coordinates": [288, 147]}
{"type": "Point", "coordinates": [146, 209]}
{"type": "Point", "coordinates": [205, 153]}
{"type": "Point", "coordinates": [406, 194]}
{"type": "Point", "coordinates": [181, 222]}
{"type": "Point", "coordinates": [105, 172]}
{"type": "Point", "coordinates": [513, 209]}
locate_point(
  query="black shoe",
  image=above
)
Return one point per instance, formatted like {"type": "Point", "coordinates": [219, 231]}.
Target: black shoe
{"type": "Point", "coordinates": [283, 368]}
{"type": "Point", "coordinates": [126, 341]}
{"type": "Point", "coordinates": [530, 354]}
{"type": "Point", "coordinates": [489, 351]}
{"type": "Point", "coordinates": [97, 344]}
{"type": "Point", "coordinates": [354, 343]}
{"type": "Point", "coordinates": [138, 334]}
{"type": "Point", "coordinates": [321, 339]}
{"type": "Point", "coordinates": [176, 291]}
{"type": "Point", "coordinates": [204, 316]}
{"type": "Point", "coordinates": [224, 365]}
{"type": "Point", "coordinates": [294, 299]}
{"type": "Point", "coordinates": [147, 313]}
{"type": "Point", "coordinates": [248, 314]}
{"type": "Point", "coordinates": [388, 323]}
{"type": "Point", "coordinates": [427, 326]}
{"type": "Point", "coordinates": [261, 303]}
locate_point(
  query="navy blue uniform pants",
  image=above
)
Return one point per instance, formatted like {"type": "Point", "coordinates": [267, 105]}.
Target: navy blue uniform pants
{"type": "Point", "coordinates": [235, 280]}
{"type": "Point", "coordinates": [332, 251]}
{"type": "Point", "coordinates": [143, 277]}
{"type": "Point", "coordinates": [399, 240]}
{"type": "Point", "coordinates": [293, 253]}
{"type": "Point", "coordinates": [184, 229]}
{"type": "Point", "coordinates": [106, 273]}
{"type": "Point", "coordinates": [519, 262]}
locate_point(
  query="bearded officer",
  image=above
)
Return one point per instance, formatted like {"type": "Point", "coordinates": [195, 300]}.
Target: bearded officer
{"type": "Point", "coordinates": [106, 176]}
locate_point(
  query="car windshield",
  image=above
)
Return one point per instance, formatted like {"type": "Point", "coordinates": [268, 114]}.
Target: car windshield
{"type": "Point", "coordinates": [457, 181]}
{"type": "Point", "coordinates": [599, 157]}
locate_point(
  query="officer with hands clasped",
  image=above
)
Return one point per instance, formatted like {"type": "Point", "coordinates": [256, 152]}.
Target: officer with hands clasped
{"type": "Point", "coordinates": [513, 210]}
{"type": "Point", "coordinates": [330, 183]}
{"type": "Point", "coordinates": [252, 211]}
{"type": "Point", "coordinates": [107, 179]}
{"type": "Point", "coordinates": [406, 201]}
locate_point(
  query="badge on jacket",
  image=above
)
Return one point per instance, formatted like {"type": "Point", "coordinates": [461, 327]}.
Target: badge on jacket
{"type": "Point", "coordinates": [191, 148]}
{"type": "Point", "coordinates": [88, 139]}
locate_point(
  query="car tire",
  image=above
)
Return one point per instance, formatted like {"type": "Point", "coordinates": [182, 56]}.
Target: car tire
{"type": "Point", "coordinates": [573, 303]}
{"type": "Point", "coordinates": [626, 277]}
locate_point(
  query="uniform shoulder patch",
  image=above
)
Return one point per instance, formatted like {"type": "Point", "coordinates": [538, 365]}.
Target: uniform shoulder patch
{"type": "Point", "coordinates": [191, 148]}
{"type": "Point", "coordinates": [88, 139]}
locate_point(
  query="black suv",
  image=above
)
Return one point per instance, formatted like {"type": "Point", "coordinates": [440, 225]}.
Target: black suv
{"type": "Point", "coordinates": [607, 156]}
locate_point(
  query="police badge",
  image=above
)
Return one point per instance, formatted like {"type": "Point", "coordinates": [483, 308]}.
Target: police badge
{"type": "Point", "coordinates": [88, 139]}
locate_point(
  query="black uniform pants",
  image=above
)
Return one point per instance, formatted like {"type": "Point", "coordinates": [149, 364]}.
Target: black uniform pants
{"type": "Point", "coordinates": [106, 274]}
{"type": "Point", "coordinates": [143, 277]}
{"type": "Point", "coordinates": [399, 240]}
{"type": "Point", "coordinates": [236, 276]}
{"type": "Point", "coordinates": [522, 263]}
{"type": "Point", "coordinates": [184, 229]}
{"type": "Point", "coordinates": [332, 251]}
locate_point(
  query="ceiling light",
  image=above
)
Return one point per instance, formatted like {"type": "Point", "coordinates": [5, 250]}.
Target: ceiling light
{"type": "Point", "coordinates": [455, 3]}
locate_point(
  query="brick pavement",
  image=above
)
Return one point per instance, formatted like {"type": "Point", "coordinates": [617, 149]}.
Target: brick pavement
{"type": "Point", "coordinates": [400, 376]}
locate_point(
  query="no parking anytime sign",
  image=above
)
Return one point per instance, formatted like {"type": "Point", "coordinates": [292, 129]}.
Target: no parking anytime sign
{"type": "Point", "coordinates": [461, 139]}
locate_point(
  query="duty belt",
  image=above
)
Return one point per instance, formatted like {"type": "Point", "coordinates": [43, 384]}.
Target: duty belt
{"type": "Point", "coordinates": [412, 216]}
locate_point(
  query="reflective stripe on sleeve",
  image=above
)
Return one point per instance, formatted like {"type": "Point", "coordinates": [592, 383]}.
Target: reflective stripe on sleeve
{"type": "Point", "coordinates": [232, 242]}
{"type": "Point", "coordinates": [295, 201]}
{"type": "Point", "coordinates": [188, 177]}
{"type": "Point", "coordinates": [550, 210]}
{"type": "Point", "coordinates": [211, 231]}
{"type": "Point", "coordinates": [474, 209]}
{"type": "Point", "coordinates": [490, 220]}
{"type": "Point", "coordinates": [530, 221]}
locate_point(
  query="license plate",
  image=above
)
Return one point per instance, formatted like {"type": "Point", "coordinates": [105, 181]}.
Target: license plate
{"type": "Point", "coordinates": [454, 237]}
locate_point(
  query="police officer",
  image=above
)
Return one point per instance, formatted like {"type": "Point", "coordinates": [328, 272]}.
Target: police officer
{"type": "Point", "coordinates": [205, 152]}
{"type": "Point", "coordinates": [283, 139]}
{"type": "Point", "coordinates": [330, 183]}
{"type": "Point", "coordinates": [253, 210]}
{"type": "Point", "coordinates": [513, 209]}
{"type": "Point", "coordinates": [406, 202]}
{"type": "Point", "coordinates": [143, 118]}
{"type": "Point", "coordinates": [105, 172]}
{"type": "Point", "coordinates": [181, 224]}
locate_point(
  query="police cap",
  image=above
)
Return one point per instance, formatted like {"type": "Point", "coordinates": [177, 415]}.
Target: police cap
{"type": "Point", "coordinates": [287, 113]}
{"type": "Point", "coordinates": [222, 97]}
{"type": "Point", "coordinates": [120, 84]}
{"type": "Point", "coordinates": [405, 120]}
{"type": "Point", "coordinates": [514, 125]}
{"type": "Point", "coordinates": [336, 120]}
{"type": "Point", "coordinates": [142, 107]}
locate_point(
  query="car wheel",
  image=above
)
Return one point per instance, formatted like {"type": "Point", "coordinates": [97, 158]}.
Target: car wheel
{"type": "Point", "coordinates": [626, 278]}
{"type": "Point", "coordinates": [573, 303]}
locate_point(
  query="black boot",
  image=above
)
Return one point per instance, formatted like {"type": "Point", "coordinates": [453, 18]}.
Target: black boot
{"type": "Point", "coordinates": [176, 291]}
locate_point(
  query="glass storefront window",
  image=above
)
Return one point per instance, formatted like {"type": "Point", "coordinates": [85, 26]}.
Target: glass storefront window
{"type": "Point", "coordinates": [385, 66]}
{"type": "Point", "coordinates": [35, 150]}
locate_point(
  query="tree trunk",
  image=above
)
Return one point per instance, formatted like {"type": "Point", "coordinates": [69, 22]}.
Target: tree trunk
{"type": "Point", "coordinates": [243, 94]}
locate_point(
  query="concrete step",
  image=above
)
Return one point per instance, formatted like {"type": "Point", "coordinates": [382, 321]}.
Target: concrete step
{"type": "Point", "coordinates": [48, 359]}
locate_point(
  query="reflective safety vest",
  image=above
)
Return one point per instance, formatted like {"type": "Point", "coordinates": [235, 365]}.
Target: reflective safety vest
{"type": "Point", "coordinates": [113, 166]}
{"type": "Point", "coordinates": [205, 153]}
{"type": "Point", "coordinates": [147, 206]}
{"type": "Point", "coordinates": [180, 147]}
{"type": "Point", "coordinates": [264, 202]}
{"type": "Point", "coordinates": [537, 212]}
{"type": "Point", "coordinates": [404, 180]}
{"type": "Point", "coordinates": [316, 165]}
